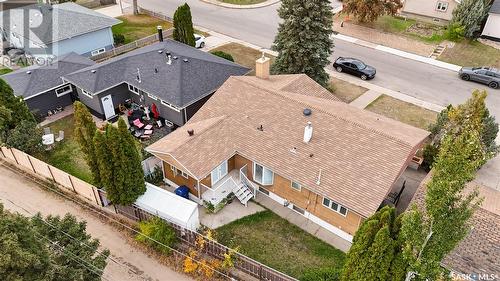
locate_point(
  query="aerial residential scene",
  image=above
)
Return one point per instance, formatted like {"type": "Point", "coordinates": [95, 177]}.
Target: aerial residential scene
{"type": "Point", "coordinates": [259, 140]}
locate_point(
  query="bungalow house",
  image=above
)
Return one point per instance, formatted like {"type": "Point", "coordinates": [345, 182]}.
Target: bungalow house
{"type": "Point", "coordinates": [12, 4]}
{"type": "Point", "coordinates": [175, 77]}
{"type": "Point", "coordinates": [491, 29]}
{"type": "Point", "coordinates": [436, 11]}
{"type": "Point", "coordinates": [286, 137]}
{"type": "Point", "coordinates": [56, 30]}
{"type": "Point", "coordinates": [42, 87]}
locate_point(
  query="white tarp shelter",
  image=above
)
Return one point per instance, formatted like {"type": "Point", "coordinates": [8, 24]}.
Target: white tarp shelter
{"type": "Point", "coordinates": [169, 206]}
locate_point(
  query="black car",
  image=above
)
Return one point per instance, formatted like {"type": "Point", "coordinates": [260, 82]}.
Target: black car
{"type": "Point", "coordinates": [355, 67]}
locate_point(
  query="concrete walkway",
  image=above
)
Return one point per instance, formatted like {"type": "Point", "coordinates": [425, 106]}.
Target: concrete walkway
{"type": "Point", "coordinates": [235, 6]}
{"type": "Point", "coordinates": [304, 223]}
{"type": "Point", "coordinates": [365, 99]}
{"type": "Point", "coordinates": [229, 213]}
{"type": "Point", "coordinates": [115, 11]}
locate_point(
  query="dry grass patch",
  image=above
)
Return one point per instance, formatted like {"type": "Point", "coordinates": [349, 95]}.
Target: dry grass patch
{"type": "Point", "coordinates": [243, 55]}
{"type": "Point", "coordinates": [345, 91]}
{"type": "Point", "coordinates": [135, 27]}
{"type": "Point", "coordinates": [403, 111]}
{"type": "Point", "coordinates": [471, 54]}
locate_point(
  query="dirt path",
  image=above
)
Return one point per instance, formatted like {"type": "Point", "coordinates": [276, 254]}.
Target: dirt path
{"type": "Point", "coordinates": [22, 195]}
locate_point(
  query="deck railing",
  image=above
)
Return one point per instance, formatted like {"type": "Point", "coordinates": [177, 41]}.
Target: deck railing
{"type": "Point", "coordinates": [243, 178]}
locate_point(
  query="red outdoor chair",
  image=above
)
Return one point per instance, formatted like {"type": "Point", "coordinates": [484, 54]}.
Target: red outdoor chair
{"type": "Point", "coordinates": [137, 122]}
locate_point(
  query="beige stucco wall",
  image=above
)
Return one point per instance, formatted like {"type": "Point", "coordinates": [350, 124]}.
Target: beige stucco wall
{"type": "Point", "coordinates": [492, 27]}
{"type": "Point", "coordinates": [427, 8]}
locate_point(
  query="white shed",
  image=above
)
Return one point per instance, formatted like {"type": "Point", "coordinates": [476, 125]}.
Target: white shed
{"type": "Point", "coordinates": [492, 28]}
{"type": "Point", "coordinates": [169, 206]}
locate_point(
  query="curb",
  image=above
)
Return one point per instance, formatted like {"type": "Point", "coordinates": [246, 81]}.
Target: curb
{"type": "Point", "coordinates": [399, 53]}
{"type": "Point", "coordinates": [234, 6]}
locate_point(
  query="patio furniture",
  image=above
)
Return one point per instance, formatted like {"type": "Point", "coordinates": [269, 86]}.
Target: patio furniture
{"type": "Point", "coordinates": [169, 124]}
{"type": "Point", "coordinates": [137, 122]}
{"type": "Point", "coordinates": [46, 130]}
{"type": "Point", "coordinates": [146, 111]}
{"type": "Point", "coordinates": [159, 123]}
{"type": "Point", "coordinates": [154, 109]}
{"type": "Point", "coordinates": [148, 132]}
{"type": "Point", "coordinates": [138, 133]}
{"type": "Point", "coordinates": [145, 137]}
{"type": "Point", "coordinates": [60, 137]}
{"type": "Point", "coordinates": [48, 140]}
{"type": "Point", "coordinates": [148, 127]}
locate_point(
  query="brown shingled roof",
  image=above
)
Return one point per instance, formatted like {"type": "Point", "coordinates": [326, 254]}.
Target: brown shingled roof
{"type": "Point", "coordinates": [360, 154]}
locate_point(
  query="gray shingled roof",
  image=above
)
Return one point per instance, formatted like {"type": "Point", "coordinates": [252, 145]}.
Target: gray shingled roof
{"type": "Point", "coordinates": [180, 83]}
{"type": "Point", "coordinates": [62, 21]}
{"type": "Point", "coordinates": [495, 7]}
{"type": "Point", "coordinates": [43, 78]}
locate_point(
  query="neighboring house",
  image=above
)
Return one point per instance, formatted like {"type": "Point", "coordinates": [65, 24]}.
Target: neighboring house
{"type": "Point", "coordinates": [492, 28]}
{"type": "Point", "coordinates": [477, 256]}
{"type": "Point", "coordinates": [288, 138]}
{"type": "Point", "coordinates": [12, 4]}
{"type": "Point", "coordinates": [42, 87]}
{"type": "Point", "coordinates": [58, 29]}
{"type": "Point", "coordinates": [436, 11]}
{"type": "Point", "coordinates": [177, 78]}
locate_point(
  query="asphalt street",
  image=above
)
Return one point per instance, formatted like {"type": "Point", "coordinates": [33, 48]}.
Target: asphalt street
{"type": "Point", "coordinates": [259, 26]}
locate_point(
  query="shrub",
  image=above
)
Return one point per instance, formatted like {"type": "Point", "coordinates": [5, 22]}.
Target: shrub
{"type": "Point", "coordinates": [223, 55]}
{"type": "Point", "coordinates": [119, 39]}
{"type": "Point", "coordinates": [455, 32]}
{"type": "Point", "coordinates": [430, 153]}
{"type": "Point", "coordinates": [320, 274]}
{"type": "Point", "coordinates": [156, 177]}
{"type": "Point", "coordinates": [158, 230]}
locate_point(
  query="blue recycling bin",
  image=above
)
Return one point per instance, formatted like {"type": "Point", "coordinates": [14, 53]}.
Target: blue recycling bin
{"type": "Point", "coordinates": [182, 191]}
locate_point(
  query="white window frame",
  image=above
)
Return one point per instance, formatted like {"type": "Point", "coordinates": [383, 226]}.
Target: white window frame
{"type": "Point", "coordinates": [152, 97]}
{"type": "Point", "coordinates": [86, 93]}
{"type": "Point", "coordinates": [263, 173]}
{"type": "Point", "coordinates": [184, 174]}
{"type": "Point", "coordinates": [170, 105]}
{"type": "Point", "coordinates": [97, 51]}
{"type": "Point", "coordinates": [178, 171]}
{"type": "Point", "coordinates": [219, 172]}
{"type": "Point", "coordinates": [297, 186]}
{"type": "Point", "coordinates": [174, 170]}
{"type": "Point", "coordinates": [67, 91]}
{"type": "Point", "coordinates": [442, 6]}
{"type": "Point", "coordinates": [330, 206]}
{"type": "Point", "coordinates": [133, 89]}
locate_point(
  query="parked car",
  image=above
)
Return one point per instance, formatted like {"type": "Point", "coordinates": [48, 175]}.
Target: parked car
{"type": "Point", "coordinates": [355, 67]}
{"type": "Point", "coordinates": [199, 41]}
{"type": "Point", "coordinates": [486, 75]}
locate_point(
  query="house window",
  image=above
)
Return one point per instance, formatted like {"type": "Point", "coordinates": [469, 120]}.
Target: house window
{"type": "Point", "coordinates": [177, 171]}
{"type": "Point", "coordinates": [133, 89]}
{"type": "Point", "coordinates": [219, 172]}
{"type": "Point", "coordinates": [334, 206]}
{"type": "Point", "coordinates": [170, 105]}
{"type": "Point", "coordinates": [63, 90]}
{"type": "Point", "coordinates": [298, 210]}
{"type": "Point", "coordinates": [184, 174]}
{"type": "Point", "coordinates": [86, 93]}
{"type": "Point", "coordinates": [263, 190]}
{"type": "Point", "coordinates": [442, 6]}
{"type": "Point", "coordinates": [98, 51]}
{"type": "Point", "coordinates": [153, 97]}
{"type": "Point", "coordinates": [296, 185]}
{"type": "Point", "coordinates": [262, 174]}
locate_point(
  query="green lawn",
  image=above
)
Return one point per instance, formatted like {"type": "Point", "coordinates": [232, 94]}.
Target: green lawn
{"type": "Point", "coordinates": [67, 155]}
{"type": "Point", "coordinates": [391, 24]}
{"type": "Point", "coordinates": [242, 2]}
{"type": "Point", "coordinates": [275, 242]}
{"type": "Point", "coordinates": [402, 111]}
{"type": "Point", "coordinates": [135, 27]}
{"type": "Point", "coordinates": [471, 53]}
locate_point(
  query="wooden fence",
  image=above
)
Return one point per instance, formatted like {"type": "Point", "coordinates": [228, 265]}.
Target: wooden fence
{"type": "Point", "coordinates": [155, 14]}
{"type": "Point", "coordinates": [131, 46]}
{"type": "Point", "coordinates": [74, 184]}
{"type": "Point", "coordinates": [212, 248]}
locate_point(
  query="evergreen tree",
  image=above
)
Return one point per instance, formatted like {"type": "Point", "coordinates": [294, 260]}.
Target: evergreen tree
{"type": "Point", "coordinates": [84, 132]}
{"type": "Point", "coordinates": [471, 15]}
{"type": "Point", "coordinates": [17, 106]}
{"type": "Point", "coordinates": [370, 10]}
{"type": "Point", "coordinates": [183, 25]}
{"type": "Point", "coordinates": [26, 137]}
{"type": "Point", "coordinates": [303, 40]}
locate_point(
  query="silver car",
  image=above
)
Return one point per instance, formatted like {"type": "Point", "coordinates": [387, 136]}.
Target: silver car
{"type": "Point", "coordinates": [486, 75]}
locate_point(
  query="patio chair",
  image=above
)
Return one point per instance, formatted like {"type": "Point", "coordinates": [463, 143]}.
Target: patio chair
{"type": "Point", "coordinates": [148, 127]}
{"type": "Point", "coordinates": [148, 132]}
{"type": "Point", "coordinates": [137, 122]}
{"type": "Point", "coordinates": [46, 130]}
{"type": "Point", "coordinates": [169, 124]}
{"type": "Point", "coordinates": [159, 123]}
{"type": "Point", "coordinates": [60, 137]}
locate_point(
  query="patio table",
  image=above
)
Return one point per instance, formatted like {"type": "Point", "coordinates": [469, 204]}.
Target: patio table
{"type": "Point", "coordinates": [48, 139]}
{"type": "Point", "coordinates": [148, 127]}
{"type": "Point", "coordinates": [148, 132]}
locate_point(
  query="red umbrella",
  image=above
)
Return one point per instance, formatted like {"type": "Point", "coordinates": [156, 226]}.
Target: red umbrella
{"type": "Point", "coordinates": [154, 109]}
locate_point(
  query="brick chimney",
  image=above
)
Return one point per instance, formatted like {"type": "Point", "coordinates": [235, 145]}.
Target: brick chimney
{"type": "Point", "coordinates": [262, 67]}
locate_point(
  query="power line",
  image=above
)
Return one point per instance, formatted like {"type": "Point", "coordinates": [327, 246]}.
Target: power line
{"type": "Point", "coordinates": [116, 221]}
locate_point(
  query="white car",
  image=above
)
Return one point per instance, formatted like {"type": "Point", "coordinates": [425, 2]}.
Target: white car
{"type": "Point", "coordinates": [199, 41]}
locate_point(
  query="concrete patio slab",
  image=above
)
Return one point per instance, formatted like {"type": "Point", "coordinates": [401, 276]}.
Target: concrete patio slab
{"type": "Point", "coordinates": [365, 99]}
{"type": "Point", "coordinates": [231, 212]}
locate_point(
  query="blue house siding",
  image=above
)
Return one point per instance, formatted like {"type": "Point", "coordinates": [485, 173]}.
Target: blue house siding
{"type": "Point", "coordinates": [86, 43]}
{"type": "Point", "coordinates": [42, 103]}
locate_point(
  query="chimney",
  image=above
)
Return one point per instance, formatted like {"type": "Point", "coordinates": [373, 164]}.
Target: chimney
{"type": "Point", "coordinates": [160, 33]}
{"type": "Point", "coordinates": [308, 132]}
{"type": "Point", "coordinates": [262, 67]}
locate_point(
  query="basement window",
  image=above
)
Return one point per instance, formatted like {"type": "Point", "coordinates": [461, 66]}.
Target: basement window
{"type": "Point", "coordinates": [63, 90]}
{"type": "Point", "coordinates": [334, 206]}
{"type": "Point", "coordinates": [97, 52]}
{"type": "Point", "coordinates": [298, 210]}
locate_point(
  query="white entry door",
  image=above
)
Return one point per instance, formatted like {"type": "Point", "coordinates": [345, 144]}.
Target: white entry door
{"type": "Point", "coordinates": [107, 105]}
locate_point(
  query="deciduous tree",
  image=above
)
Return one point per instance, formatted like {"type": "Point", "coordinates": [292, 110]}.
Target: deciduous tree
{"type": "Point", "coordinates": [26, 137]}
{"type": "Point", "coordinates": [303, 41]}
{"type": "Point", "coordinates": [84, 132]}
{"type": "Point", "coordinates": [370, 10]}
{"type": "Point", "coordinates": [183, 25]}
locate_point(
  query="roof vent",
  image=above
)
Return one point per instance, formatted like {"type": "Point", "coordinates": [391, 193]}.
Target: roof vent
{"type": "Point", "coordinates": [160, 51]}
{"type": "Point", "coordinates": [167, 53]}
{"type": "Point", "coordinates": [156, 70]}
{"type": "Point", "coordinates": [293, 150]}
{"type": "Point", "coordinates": [190, 132]}
{"type": "Point", "coordinates": [308, 132]}
{"type": "Point", "coordinates": [175, 57]}
{"type": "Point", "coordinates": [260, 128]}
{"type": "Point", "coordinates": [307, 112]}
{"type": "Point", "coordinates": [93, 71]}
{"type": "Point", "coordinates": [169, 59]}
{"type": "Point", "coordinates": [185, 60]}
{"type": "Point", "coordinates": [28, 72]}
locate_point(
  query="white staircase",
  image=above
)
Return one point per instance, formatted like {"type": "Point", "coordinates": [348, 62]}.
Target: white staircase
{"type": "Point", "coordinates": [243, 193]}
